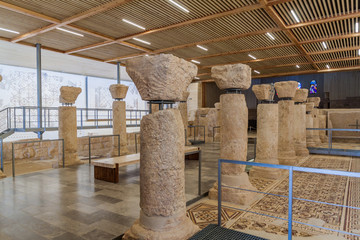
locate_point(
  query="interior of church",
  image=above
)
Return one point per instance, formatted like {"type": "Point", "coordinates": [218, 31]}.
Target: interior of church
{"type": "Point", "coordinates": [179, 119]}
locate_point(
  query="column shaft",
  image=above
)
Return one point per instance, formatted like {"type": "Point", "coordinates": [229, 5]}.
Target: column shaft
{"type": "Point", "coordinates": [119, 125]}
{"type": "Point", "coordinates": [300, 130]}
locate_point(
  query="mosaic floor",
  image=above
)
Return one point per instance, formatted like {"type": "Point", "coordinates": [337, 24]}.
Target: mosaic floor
{"type": "Point", "coordinates": [317, 187]}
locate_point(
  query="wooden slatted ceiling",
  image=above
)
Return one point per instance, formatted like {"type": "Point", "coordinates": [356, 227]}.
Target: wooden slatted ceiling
{"type": "Point", "coordinates": [230, 37]}
{"type": "Point", "coordinates": [155, 14]}
{"type": "Point", "coordinates": [341, 64]}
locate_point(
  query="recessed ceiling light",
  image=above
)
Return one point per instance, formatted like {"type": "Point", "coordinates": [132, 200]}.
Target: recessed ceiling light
{"type": "Point", "coordinates": [295, 16]}
{"type": "Point", "coordinates": [147, 55]}
{"type": "Point", "coordinates": [196, 78]}
{"type": "Point", "coordinates": [359, 52]}
{"type": "Point", "coordinates": [324, 44]}
{"type": "Point", "coordinates": [8, 30]}
{"type": "Point", "coordinates": [252, 56]}
{"type": "Point", "coordinates": [257, 72]}
{"type": "Point", "coordinates": [201, 47]}
{"type": "Point", "coordinates": [68, 31]}
{"type": "Point", "coordinates": [297, 66]}
{"type": "Point", "coordinates": [194, 61]}
{"type": "Point", "coordinates": [179, 6]}
{"type": "Point", "coordinates": [357, 27]}
{"type": "Point", "coordinates": [134, 24]}
{"type": "Point", "coordinates": [142, 41]}
{"type": "Point", "coordinates": [327, 66]}
{"type": "Point", "coordinates": [270, 36]}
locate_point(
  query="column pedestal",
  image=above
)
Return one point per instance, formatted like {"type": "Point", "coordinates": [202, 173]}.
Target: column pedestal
{"type": "Point", "coordinates": [2, 174]}
{"type": "Point", "coordinates": [300, 130]}
{"type": "Point", "coordinates": [162, 180]}
{"type": "Point", "coordinates": [68, 132]}
{"type": "Point", "coordinates": [286, 150]}
{"type": "Point", "coordinates": [119, 126]}
{"type": "Point", "coordinates": [233, 146]}
{"type": "Point", "coordinates": [267, 141]}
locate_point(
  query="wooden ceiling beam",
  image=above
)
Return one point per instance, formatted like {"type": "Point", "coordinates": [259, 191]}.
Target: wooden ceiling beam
{"type": "Point", "coordinates": [273, 14]}
{"type": "Point", "coordinates": [181, 24]}
{"type": "Point", "coordinates": [335, 50]}
{"type": "Point", "coordinates": [285, 74]}
{"type": "Point", "coordinates": [282, 65]}
{"type": "Point", "coordinates": [91, 33]}
{"type": "Point", "coordinates": [330, 38]}
{"type": "Point", "coordinates": [74, 18]}
{"type": "Point", "coordinates": [221, 39]}
{"type": "Point", "coordinates": [27, 12]}
{"type": "Point", "coordinates": [339, 60]}
{"type": "Point", "coordinates": [274, 2]}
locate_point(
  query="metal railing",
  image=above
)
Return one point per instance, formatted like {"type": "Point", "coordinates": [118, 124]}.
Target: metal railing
{"type": "Point", "coordinates": [194, 141]}
{"type": "Point", "coordinates": [25, 118]}
{"type": "Point", "coordinates": [334, 151]}
{"type": "Point", "coordinates": [290, 197]}
{"type": "Point", "coordinates": [99, 136]}
{"type": "Point", "coordinates": [36, 141]}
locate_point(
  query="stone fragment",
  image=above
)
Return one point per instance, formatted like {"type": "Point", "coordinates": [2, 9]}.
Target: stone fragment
{"type": "Point", "coordinates": [68, 94]}
{"type": "Point", "coordinates": [309, 106]}
{"type": "Point", "coordinates": [286, 89]}
{"type": "Point", "coordinates": [161, 77]}
{"type": "Point", "coordinates": [262, 91]}
{"type": "Point", "coordinates": [301, 95]}
{"type": "Point", "coordinates": [232, 76]}
{"type": "Point", "coordinates": [118, 91]}
{"type": "Point", "coordinates": [315, 100]}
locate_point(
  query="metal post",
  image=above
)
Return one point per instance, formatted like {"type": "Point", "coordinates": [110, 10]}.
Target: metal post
{"type": "Point", "coordinates": [81, 118]}
{"type": "Point", "coordinates": [136, 143]}
{"type": "Point", "coordinates": [89, 150]}
{"type": "Point", "coordinates": [118, 145]}
{"type": "Point", "coordinates": [14, 117]}
{"type": "Point", "coordinates": [87, 96]}
{"type": "Point", "coordinates": [219, 193]}
{"type": "Point", "coordinates": [39, 90]}
{"type": "Point", "coordinates": [2, 163]}
{"type": "Point", "coordinates": [63, 152]}
{"type": "Point", "coordinates": [199, 193]}
{"type": "Point", "coordinates": [13, 160]}
{"type": "Point", "coordinates": [24, 118]}
{"type": "Point", "coordinates": [330, 140]}
{"type": "Point", "coordinates": [118, 72]}
{"type": "Point", "coordinates": [290, 203]}
{"type": "Point", "coordinates": [255, 140]}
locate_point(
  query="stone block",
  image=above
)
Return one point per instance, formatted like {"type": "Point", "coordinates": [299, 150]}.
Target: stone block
{"type": "Point", "coordinates": [118, 91]}
{"type": "Point", "coordinates": [309, 106]}
{"type": "Point", "coordinates": [232, 76]}
{"type": "Point", "coordinates": [185, 96]}
{"type": "Point", "coordinates": [286, 89]}
{"type": "Point", "coordinates": [262, 91]}
{"type": "Point", "coordinates": [161, 77]}
{"type": "Point", "coordinates": [301, 95]}
{"type": "Point", "coordinates": [315, 100]}
{"type": "Point", "coordinates": [69, 94]}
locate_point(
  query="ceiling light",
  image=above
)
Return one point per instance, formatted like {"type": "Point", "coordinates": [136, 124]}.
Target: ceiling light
{"type": "Point", "coordinates": [270, 36]}
{"type": "Point", "coordinates": [297, 66]}
{"type": "Point", "coordinates": [196, 78]}
{"type": "Point", "coordinates": [179, 6]}
{"type": "Point", "coordinates": [257, 72]}
{"type": "Point", "coordinates": [295, 16]}
{"type": "Point", "coordinates": [327, 66]}
{"type": "Point", "coordinates": [147, 55]}
{"type": "Point", "coordinates": [324, 44]}
{"type": "Point", "coordinates": [252, 56]}
{"type": "Point", "coordinates": [134, 24]}
{"type": "Point", "coordinates": [357, 27]}
{"type": "Point", "coordinates": [194, 61]}
{"type": "Point", "coordinates": [359, 51]}
{"type": "Point", "coordinates": [8, 30]}
{"type": "Point", "coordinates": [68, 31]}
{"type": "Point", "coordinates": [142, 41]}
{"type": "Point", "coordinates": [201, 47]}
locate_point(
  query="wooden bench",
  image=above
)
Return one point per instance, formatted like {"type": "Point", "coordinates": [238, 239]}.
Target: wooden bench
{"type": "Point", "coordinates": [108, 169]}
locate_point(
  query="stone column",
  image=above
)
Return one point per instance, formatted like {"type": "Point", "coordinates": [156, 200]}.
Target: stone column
{"type": "Point", "coordinates": [267, 133]}
{"type": "Point", "coordinates": [218, 122]}
{"type": "Point", "coordinates": [322, 124]}
{"type": "Point", "coordinates": [2, 174]}
{"type": "Point", "coordinates": [300, 122]}
{"type": "Point", "coordinates": [309, 124]}
{"type": "Point", "coordinates": [315, 115]}
{"type": "Point", "coordinates": [162, 177]}
{"type": "Point", "coordinates": [286, 91]}
{"type": "Point", "coordinates": [184, 114]}
{"type": "Point", "coordinates": [233, 135]}
{"type": "Point", "coordinates": [118, 92]}
{"type": "Point", "coordinates": [68, 124]}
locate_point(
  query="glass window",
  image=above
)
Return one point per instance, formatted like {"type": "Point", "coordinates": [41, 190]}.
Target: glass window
{"type": "Point", "coordinates": [313, 87]}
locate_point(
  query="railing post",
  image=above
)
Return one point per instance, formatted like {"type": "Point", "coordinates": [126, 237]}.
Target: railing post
{"type": "Point", "coordinates": [63, 152]}
{"type": "Point", "coordinates": [118, 145]}
{"type": "Point", "coordinates": [199, 184]}
{"type": "Point", "coordinates": [89, 150]}
{"type": "Point", "coordinates": [2, 160]}
{"type": "Point", "coordinates": [14, 117]}
{"type": "Point", "coordinates": [81, 118]}
{"type": "Point", "coordinates": [331, 139]}
{"type": "Point", "coordinates": [136, 150]}
{"type": "Point", "coordinates": [290, 203]}
{"type": "Point", "coordinates": [24, 118]}
{"type": "Point", "coordinates": [219, 193]}
{"type": "Point", "coordinates": [13, 159]}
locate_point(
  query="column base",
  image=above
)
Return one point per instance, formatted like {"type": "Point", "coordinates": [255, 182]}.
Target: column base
{"type": "Point", "coordinates": [2, 174]}
{"type": "Point", "coordinates": [183, 229]}
{"type": "Point", "coordinates": [310, 142]}
{"type": "Point", "coordinates": [324, 138]}
{"type": "Point", "coordinates": [71, 159]}
{"type": "Point", "coordinates": [263, 172]}
{"type": "Point", "coordinates": [301, 151]}
{"type": "Point", "coordinates": [288, 158]}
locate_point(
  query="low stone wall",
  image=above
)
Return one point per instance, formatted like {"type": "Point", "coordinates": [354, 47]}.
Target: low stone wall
{"type": "Point", "coordinates": [48, 150]}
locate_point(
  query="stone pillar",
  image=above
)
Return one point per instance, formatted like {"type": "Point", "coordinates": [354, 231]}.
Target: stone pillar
{"type": "Point", "coordinates": [118, 92]}
{"type": "Point", "coordinates": [68, 124]}
{"type": "Point", "coordinates": [315, 115]}
{"type": "Point", "coordinates": [267, 133]}
{"type": "Point", "coordinates": [218, 123]}
{"type": "Point", "coordinates": [286, 91]}
{"type": "Point", "coordinates": [2, 174]}
{"type": "Point", "coordinates": [162, 177]}
{"type": "Point", "coordinates": [233, 135]}
{"type": "Point", "coordinates": [300, 122]}
{"type": "Point", "coordinates": [309, 124]}
{"type": "Point", "coordinates": [322, 124]}
{"type": "Point", "coordinates": [184, 114]}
